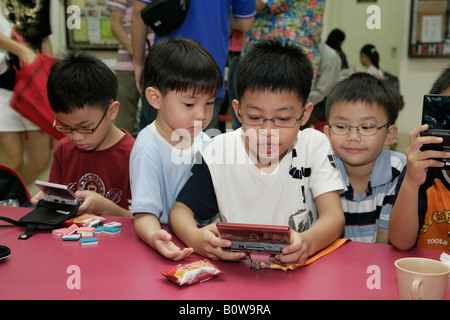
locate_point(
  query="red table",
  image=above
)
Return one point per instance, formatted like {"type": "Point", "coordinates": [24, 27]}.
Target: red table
{"type": "Point", "coordinates": [121, 266]}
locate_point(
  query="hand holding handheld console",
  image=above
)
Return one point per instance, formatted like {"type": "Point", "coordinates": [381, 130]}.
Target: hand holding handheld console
{"type": "Point", "coordinates": [436, 113]}
{"type": "Point", "coordinates": [255, 238]}
{"type": "Point", "coordinates": [59, 204]}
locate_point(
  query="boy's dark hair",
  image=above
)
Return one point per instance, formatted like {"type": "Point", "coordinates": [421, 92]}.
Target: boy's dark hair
{"type": "Point", "coordinates": [442, 83]}
{"type": "Point", "coordinates": [364, 87]}
{"type": "Point", "coordinates": [78, 80]}
{"type": "Point", "coordinates": [272, 66]}
{"type": "Point", "coordinates": [181, 64]}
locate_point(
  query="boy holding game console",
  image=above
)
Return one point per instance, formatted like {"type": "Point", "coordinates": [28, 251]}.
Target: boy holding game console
{"type": "Point", "coordinates": [420, 215]}
{"type": "Point", "coordinates": [93, 159]}
{"type": "Point", "coordinates": [267, 172]}
{"type": "Point", "coordinates": [361, 112]}
{"type": "Point", "coordinates": [182, 79]}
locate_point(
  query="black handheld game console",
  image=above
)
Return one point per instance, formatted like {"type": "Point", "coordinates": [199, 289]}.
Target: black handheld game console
{"type": "Point", "coordinates": [436, 113]}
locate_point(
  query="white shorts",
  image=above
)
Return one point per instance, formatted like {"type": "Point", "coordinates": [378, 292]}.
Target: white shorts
{"type": "Point", "coordinates": [10, 119]}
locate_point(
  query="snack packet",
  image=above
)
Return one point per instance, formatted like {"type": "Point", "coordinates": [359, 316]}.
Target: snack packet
{"type": "Point", "coordinates": [191, 273]}
{"type": "Point", "coordinates": [84, 220]}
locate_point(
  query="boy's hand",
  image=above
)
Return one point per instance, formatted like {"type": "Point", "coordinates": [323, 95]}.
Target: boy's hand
{"type": "Point", "coordinates": [162, 242]}
{"type": "Point", "coordinates": [40, 195]}
{"type": "Point", "coordinates": [93, 202]}
{"type": "Point", "coordinates": [208, 244]}
{"type": "Point", "coordinates": [296, 252]}
{"type": "Point", "coordinates": [419, 161]}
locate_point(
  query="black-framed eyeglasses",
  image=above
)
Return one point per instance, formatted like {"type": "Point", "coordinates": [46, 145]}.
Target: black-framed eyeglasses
{"type": "Point", "coordinates": [364, 129]}
{"type": "Point", "coordinates": [67, 129]}
{"type": "Point", "coordinates": [281, 122]}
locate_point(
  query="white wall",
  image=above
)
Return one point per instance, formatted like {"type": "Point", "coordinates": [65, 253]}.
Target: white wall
{"type": "Point", "coordinates": [351, 17]}
{"type": "Point", "coordinates": [417, 76]}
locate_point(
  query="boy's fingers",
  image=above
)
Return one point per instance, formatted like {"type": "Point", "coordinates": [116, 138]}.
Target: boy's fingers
{"type": "Point", "coordinates": [416, 132]}
{"type": "Point", "coordinates": [182, 254]}
{"type": "Point", "coordinates": [218, 242]}
{"type": "Point", "coordinates": [421, 141]}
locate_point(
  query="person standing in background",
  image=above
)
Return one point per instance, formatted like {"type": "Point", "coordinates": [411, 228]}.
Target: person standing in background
{"type": "Point", "coordinates": [207, 22]}
{"type": "Point", "coordinates": [24, 147]}
{"type": "Point", "coordinates": [31, 18]}
{"type": "Point", "coordinates": [299, 21]}
{"type": "Point", "coordinates": [128, 95]}
{"type": "Point", "coordinates": [328, 75]}
{"type": "Point", "coordinates": [370, 59]}
{"type": "Point", "coordinates": [335, 40]}
{"type": "Point", "coordinates": [234, 55]}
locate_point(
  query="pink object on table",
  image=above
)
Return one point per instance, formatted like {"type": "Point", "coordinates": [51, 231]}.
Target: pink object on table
{"type": "Point", "coordinates": [63, 231]}
{"type": "Point", "coordinates": [354, 271]}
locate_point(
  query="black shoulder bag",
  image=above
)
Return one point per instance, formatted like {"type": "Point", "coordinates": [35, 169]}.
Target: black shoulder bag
{"type": "Point", "coordinates": [47, 215]}
{"type": "Point", "coordinates": [165, 16]}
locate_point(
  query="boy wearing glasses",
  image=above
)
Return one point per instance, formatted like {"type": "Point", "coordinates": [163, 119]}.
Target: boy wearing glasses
{"type": "Point", "coordinates": [93, 159]}
{"type": "Point", "coordinates": [361, 112]}
{"type": "Point", "coordinates": [267, 172]}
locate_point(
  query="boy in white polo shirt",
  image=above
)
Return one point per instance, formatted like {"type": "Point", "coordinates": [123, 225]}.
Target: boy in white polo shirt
{"type": "Point", "coordinates": [267, 172]}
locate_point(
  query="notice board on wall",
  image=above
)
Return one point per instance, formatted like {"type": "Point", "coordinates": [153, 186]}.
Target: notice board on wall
{"type": "Point", "coordinates": [89, 25]}
{"type": "Point", "coordinates": [430, 28]}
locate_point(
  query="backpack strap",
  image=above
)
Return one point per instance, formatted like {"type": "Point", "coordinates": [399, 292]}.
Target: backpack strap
{"type": "Point", "coordinates": [29, 229]}
{"type": "Point", "coordinates": [11, 221]}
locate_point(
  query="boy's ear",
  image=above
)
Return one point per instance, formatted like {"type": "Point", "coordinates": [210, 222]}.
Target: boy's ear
{"type": "Point", "coordinates": [391, 133]}
{"type": "Point", "coordinates": [326, 130]}
{"type": "Point", "coordinates": [307, 110]}
{"type": "Point", "coordinates": [153, 96]}
{"type": "Point", "coordinates": [113, 109]}
{"type": "Point", "coordinates": [235, 105]}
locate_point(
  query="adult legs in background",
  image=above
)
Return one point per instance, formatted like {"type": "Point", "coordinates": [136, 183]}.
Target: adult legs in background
{"type": "Point", "coordinates": [38, 152]}
{"type": "Point", "coordinates": [128, 96]}
{"type": "Point", "coordinates": [11, 153]}
{"type": "Point", "coordinates": [23, 146]}
{"type": "Point", "coordinates": [28, 153]}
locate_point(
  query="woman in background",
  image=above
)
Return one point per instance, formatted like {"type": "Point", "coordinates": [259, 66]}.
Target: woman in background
{"type": "Point", "coordinates": [24, 147]}
{"type": "Point", "coordinates": [370, 59]}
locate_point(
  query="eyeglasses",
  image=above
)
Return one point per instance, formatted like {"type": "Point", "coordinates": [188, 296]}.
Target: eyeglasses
{"type": "Point", "coordinates": [364, 129]}
{"type": "Point", "coordinates": [67, 129]}
{"type": "Point", "coordinates": [282, 122]}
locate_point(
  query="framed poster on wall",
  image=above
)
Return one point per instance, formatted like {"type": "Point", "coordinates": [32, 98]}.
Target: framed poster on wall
{"type": "Point", "coordinates": [89, 25]}
{"type": "Point", "coordinates": [429, 28]}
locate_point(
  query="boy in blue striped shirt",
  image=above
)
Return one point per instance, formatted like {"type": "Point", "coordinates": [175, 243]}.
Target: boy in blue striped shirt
{"type": "Point", "coordinates": [361, 113]}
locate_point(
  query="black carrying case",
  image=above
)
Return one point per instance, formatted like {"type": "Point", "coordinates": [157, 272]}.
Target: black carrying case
{"type": "Point", "coordinates": [47, 215]}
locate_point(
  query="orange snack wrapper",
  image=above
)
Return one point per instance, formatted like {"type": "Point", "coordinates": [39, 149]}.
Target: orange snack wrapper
{"type": "Point", "coordinates": [192, 273]}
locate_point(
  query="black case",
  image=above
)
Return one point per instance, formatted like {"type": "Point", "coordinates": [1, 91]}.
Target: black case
{"type": "Point", "coordinates": [165, 16]}
{"type": "Point", "coordinates": [46, 215]}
